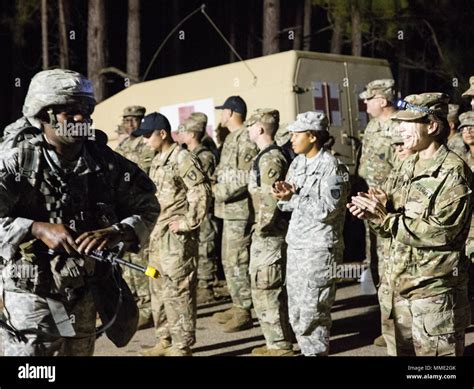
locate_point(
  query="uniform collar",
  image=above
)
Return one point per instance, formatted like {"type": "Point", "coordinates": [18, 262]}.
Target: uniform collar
{"type": "Point", "coordinates": [433, 164]}
{"type": "Point", "coordinates": [166, 156]}
{"type": "Point", "coordinates": [85, 163]}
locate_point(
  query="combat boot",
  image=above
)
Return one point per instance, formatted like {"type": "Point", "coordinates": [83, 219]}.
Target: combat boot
{"type": "Point", "coordinates": [380, 341]}
{"type": "Point", "coordinates": [145, 321]}
{"type": "Point", "coordinates": [178, 352]}
{"type": "Point", "coordinates": [159, 350]}
{"type": "Point", "coordinates": [264, 351]}
{"type": "Point", "coordinates": [241, 320]}
{"type": "Point", "coordinates": [204, 296]}
{"type": "Point", "coordinates": [224, 317]}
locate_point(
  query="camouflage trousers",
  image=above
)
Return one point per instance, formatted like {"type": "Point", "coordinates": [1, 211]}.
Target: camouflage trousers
{"type": "Point", "coordinates": [385, 295]}
{"type": "Point", "coordinates": [207, 267]}
{"type": "Point", "coordinates": [267, 268]}
{"type": "Point", "coordinates": [311, 293]}
{"type": "Point", "coordinates": [173, 295]}
{"type": "Point", "coordinates": [374, 249]}
{"type": "Point", "coordinates": [29, 311]}
{"type": "Point", "coordinates": [235, 261]}
{"type": "Point", "coordinates": [431, 326]}
{"type": "Point", "coordinates": [138, 283]}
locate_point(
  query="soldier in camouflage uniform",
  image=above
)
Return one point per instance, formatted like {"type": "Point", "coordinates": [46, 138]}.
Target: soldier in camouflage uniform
{"type": "Point", "coordinates": [377, 158]}
{"type": "Point", "coordinates": [65, 192]}
{"type": "Point", "coordinates": [315, 191]}
{"type": "Point", "coordinates": [134, 149]}
{"type": "Point", "coordinates": [467, 131]}
{"type": "Point", "coordinates": [455, 142]}
{"type": "Point", "coordinates": [427, 216]}
{"type": "Point", "coordinates": [268, 248]}
{"type": "Point", "coordinates": [384, 292]}
{"type": "Point", "coordinates": [470, 92]}
{"type": "Point", "coordinates": [183, 192]}
{"type": "Point", "coordinates": [191, 133]}
{"type": "Point", "coordinates": [232, 203]}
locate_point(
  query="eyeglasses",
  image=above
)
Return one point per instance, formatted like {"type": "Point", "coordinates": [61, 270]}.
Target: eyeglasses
{"type": "Point", "coordinates": [467, 129]}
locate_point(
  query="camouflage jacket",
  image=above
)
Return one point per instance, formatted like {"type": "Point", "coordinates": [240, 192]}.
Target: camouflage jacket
{"type": "Point", "coordinates": [183, 189]}
{"type": "Point", "coordinates": [89, 194]}
{"type": "Point", "coordinates": [456, 144]}
{"type": "Point", "coordinates": [135, 149]}
{"type": "Point", "coordinates": [469, 159]}
{"type": "Point", "coordinates": [428, 222]}
{"type": "Point", "coordinates": [377, 157]}
{"type": "Point", "coordinates": [272, 166]}
{"type": "Point", "coordinates": [207, 159]}
{"type": "Point", "coordinates": [232, 176]}
{"type": "Point", "coordinates": [319, 205]}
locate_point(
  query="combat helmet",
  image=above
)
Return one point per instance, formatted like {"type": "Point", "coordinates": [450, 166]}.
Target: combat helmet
{"type": "Point", "coordinates": [57, 87]}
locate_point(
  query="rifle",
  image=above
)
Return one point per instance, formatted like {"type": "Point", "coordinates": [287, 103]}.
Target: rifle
{"type": "Point", "coordinates": [113, 257]}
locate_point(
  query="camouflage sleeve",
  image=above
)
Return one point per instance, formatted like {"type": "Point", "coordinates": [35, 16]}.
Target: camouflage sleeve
{"type": "Point", "coordinates": [13, 230]}
{"type": "Point", "coordinates": [272, 169]}
{"type": "Point", "coordinates": [322, 201]}
{"type": "Point", "coordinates": [289, 206]}
{"type": "Point", "coordinates": [451, 212]}
{"type": "Point", "coordinates": [232, 182]}
{"type": "Point", "coordinates": [198, 192]}
{"type": "Point", "coordinates": [136, 202]}
{"type": "Point", "coordinates": [208, 162]}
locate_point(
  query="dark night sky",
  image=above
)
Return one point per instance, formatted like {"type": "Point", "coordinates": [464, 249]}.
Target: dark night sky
{"type": "Point", "coordinates": [204, 48]}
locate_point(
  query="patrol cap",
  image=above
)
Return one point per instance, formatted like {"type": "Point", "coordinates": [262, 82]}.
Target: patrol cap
{"type": "Point", "coordinates": [466, 119]}
{"type": "Point", "coordinates": [470, 91]}
{"type": "Point", "coordinates": [384, 88]}
{"type": "Point", "coordinates": [153, 121]}
{"type": "Point", "coordinates": [453, 110]}
{"type": "Point", "coordinates": [236, 104]}
{"type": "Point", "coordinates": [309, 121]}
{"type": "Point", "coordinates": [190, 125]}
{"type": "Point", "coordinates": [134, 110]}
{"type": "Point", "coordinates": [199, 117]}
{"type": "Point", "coordinates": [416, 107]}
{"type": "Point", "coordinates": [265, 116]}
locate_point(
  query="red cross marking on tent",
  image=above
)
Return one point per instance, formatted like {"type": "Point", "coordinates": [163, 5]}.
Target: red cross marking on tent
{"type": "Point", "coordinates": [184, 112]}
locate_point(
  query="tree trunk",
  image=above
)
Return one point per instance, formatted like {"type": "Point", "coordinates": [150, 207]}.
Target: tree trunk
{"type": "Point", "coordinates": [336, 39]}
{"type": "Point", "coordinates": [308, 9]}
{"type": "Point", "coordinates": [44, 34]}
{"type": "Point", "coordinates": [356, 30]}
{"type": "Point", "coordinates": [299, 14]}
{"type": "Point", "coordinates": [176, 42]}
{"type": "Point", "coordinates": [232, 27]}
{"type": "Point", "coordinates": [63, 38]}
{"type": "Point", "coordinates": [252, 30]}
{"type": "Point", "coordinates": [96, 46]}
{"type": "Point", "coordinates": [271, 26]}
{"type": "Point", "coordinates": [133, 39]}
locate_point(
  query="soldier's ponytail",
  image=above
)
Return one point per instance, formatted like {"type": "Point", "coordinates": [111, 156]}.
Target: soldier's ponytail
{"type": "Point", "coordinates": [323, 139]}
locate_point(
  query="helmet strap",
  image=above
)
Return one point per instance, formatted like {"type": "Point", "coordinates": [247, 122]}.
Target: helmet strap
{"type": "Point", "coordinates": [52, 119]}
